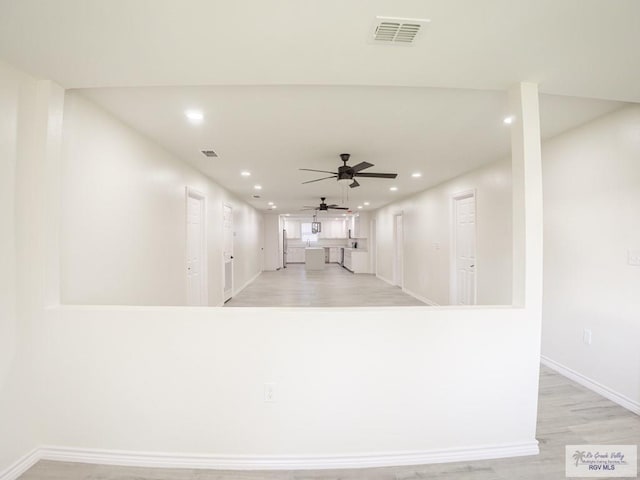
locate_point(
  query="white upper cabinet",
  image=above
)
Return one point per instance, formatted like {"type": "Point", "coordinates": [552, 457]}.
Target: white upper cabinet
{"type": "Point", "coordinates": [293, 228]}
{"type": "Point", "coordinates": [360, 225]}
{"type": "Point", "coordinates": [331, 228]}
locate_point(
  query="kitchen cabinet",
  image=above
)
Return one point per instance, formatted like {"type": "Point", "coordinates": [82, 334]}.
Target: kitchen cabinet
{"type": "Point", "coordinates": [333, 229]}
{"type": "Point", "coordinates": [334, 255]}
{"type": "Point", "coordinates": [356, 261]}
{"type": "Point", "coordinates": [347, 259]}
{"type": "Point", "coordinates": [295, 254]}
{"type": "Point", "coordinates": [360, 225]}
{"type": "Point", "coordinates": [293, 228]}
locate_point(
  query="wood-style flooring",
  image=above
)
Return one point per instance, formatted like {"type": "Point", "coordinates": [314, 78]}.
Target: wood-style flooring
{"type": "Point", "coordinates": [568, 415]}
{"type": "Point", "coordinates": [334, 286]}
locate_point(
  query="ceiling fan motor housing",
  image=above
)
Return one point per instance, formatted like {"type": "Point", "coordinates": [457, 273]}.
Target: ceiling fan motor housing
{"type": "Point", "coordinates": [345, 173]}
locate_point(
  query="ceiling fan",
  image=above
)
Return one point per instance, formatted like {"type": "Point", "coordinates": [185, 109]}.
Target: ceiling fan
{"type": "Point", "coordinates": [323, 207]}
{"type": "Point", "coordinates": [346, 174]}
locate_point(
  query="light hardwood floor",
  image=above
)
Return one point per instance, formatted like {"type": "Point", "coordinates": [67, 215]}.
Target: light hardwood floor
{"type": "Point", "coordinates": [334, 286]}
{"type": "Point", "coordinates": [568, 414]}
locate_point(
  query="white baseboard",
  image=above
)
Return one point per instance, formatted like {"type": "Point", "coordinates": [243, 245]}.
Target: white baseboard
{"type": "Point", "coordinates": [409, 292]}
{"type": "Point", "coordinates": [385, 280]}
{"type": "Point", "coordinates": [21, 466]}
{"type": "Point", "coordinates": [421, 298]}
{"type": "Point", "coordinates": [246, 284]}
{"type": "Point", "coordinates": [289, 462]}
{"type": "Point", "coordinates": [585, 381]}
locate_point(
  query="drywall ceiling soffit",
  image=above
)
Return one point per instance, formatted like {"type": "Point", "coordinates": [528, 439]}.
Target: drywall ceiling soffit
{"type": "Point", "coordinates": [580, 48]}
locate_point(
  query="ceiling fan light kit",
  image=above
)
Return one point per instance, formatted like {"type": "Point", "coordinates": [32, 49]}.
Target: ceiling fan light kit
{"type": "Point", "coordinates": [323, 207]}
{"type": "Point", "coordinates": [346, 174]}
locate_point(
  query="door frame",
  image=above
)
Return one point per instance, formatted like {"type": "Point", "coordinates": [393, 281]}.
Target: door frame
{"type": "Point", "coordinates": [373, 245]}
{"type": "Point", "coordinates": [197, 194]}
{"type": "Point", "coordinates": [395, 251]}
{"type": "Point", "coordinates": [224, 300]}
{"type": "Point", "coordinates": [453, 276]}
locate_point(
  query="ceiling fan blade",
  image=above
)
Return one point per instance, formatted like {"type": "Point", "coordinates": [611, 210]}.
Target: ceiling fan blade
{"type": "Point", "coordinates": [361, 166]}
{"type": "Point", "coordinates": [338, 208]}
{"type": "Point", "coordinates": [318, 179]}
{"type": "Point", "coordinates": [376, 175]}
{"type": "Point", "coordinates": [321, 171]}
{"type": "Point", "coordinates": [354, 184]}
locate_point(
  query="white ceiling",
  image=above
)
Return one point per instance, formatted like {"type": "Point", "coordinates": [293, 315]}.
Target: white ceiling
{"type": "Point", "coordinates": [583, 48]}
{"type": "Point", "coordinates": [286, 84]}
{"type": "Point", "coordinates": [274, 131]}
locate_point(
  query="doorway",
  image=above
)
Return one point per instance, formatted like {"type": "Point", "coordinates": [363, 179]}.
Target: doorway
{"type": "Point", "coordinates": [227, 251]}
{"type": "Point", "coordinates": [463, 262]}
{"type": "Point", "coordinates": [196, 251]}
{"type": "Point", "coordinates": [398, 257]}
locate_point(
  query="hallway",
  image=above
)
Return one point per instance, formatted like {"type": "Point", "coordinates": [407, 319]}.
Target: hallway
{"type": "Point", "coordinates": [332, 287]}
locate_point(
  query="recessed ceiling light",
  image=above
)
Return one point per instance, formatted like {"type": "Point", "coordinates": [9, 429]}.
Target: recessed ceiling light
{"type": "Point", "coordinates": [509, 120]}
{"type": "Point", "coordinates": [416, 175]}
{"type": "Point", "coordinates": [194, 116]}
{"type": "Point", "coordinates": [245, 174]}
{"type": "Point", "coordinates": [367, 203]}
{"type": "Point", "coordinates": [273, 207]}
{"type": "Point", "coordinates": [359, 206]}
{"type": "Point", "coordinates": [258, 187]}
{"type": "Point", "coordinates": [270, 203]}
{"type": "Point", "coordinates": [393, 189]}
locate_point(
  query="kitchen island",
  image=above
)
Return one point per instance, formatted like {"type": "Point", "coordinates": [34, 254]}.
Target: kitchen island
{"type": "Point", "coordinates": [314, 258]}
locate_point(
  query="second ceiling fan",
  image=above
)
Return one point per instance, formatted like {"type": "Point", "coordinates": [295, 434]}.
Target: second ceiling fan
{"type": "Point", "coordinates": [346, 174]}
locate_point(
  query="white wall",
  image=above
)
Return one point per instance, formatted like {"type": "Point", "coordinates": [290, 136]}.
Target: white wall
{"type": "Point", "coordinates": [190, 380]}
{"type": "Point", "coordinates": [348, 380]}
{"type": "Point", "coordinates": [427, 236]}
{"type": "Point", "coordinates": [272, 234]}
{"type": "Point", "coordinates": [123, 217]}
{"type": "Point", "coordinates": [14, 415]}
{"type": "Point", "coordinates": [30, 120]}
{"type": "Point", "coordinates": [591, 200]}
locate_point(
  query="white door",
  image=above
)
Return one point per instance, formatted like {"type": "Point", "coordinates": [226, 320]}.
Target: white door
{"type": "Point", "coordinates": [196, 252]}
{"type": "Point", "coordinates": [227, 252]}
{"type": "Point", "coordinates": [464, 250]}
{"type": "Point", "coordinates": [398, 263]}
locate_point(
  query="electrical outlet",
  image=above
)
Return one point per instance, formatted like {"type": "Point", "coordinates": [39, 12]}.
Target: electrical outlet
{"type": "Point", "coordinates": [269, 392]}
{"type": "Point", "coordinates": [586, 336]}
{"type": "Point", "coordinates": [633, 258]}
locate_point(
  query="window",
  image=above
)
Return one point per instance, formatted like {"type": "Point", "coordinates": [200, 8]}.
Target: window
{"type": "Point", "coordinates": [307, 236]}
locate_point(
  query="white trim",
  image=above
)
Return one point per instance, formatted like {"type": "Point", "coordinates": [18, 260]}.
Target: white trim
{"type": "Point", "coordinates": [21, 465]}
{"type": "Point", "coordinates": [385, 279]}
{"type": "Point", "coordinates": [398, 267]}
{"type": "Point", "coordinates": [453, 281]}
{"type": "Point", "coordinates": [431, 303]}
{"type": "Point", "coordinates": [284, 462]}
{"type": "Point", "coordinates": [585, 381]}
{"type": "Point", "coordinates": [246, 284]}
{"type": "Point", "coordinates": [224, 260]}
{"type": "Point", "coordinates": [204, 286]}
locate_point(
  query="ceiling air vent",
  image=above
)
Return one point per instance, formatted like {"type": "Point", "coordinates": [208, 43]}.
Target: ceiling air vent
{"type": "Point", "coordinates": [209, 153]}
{"type": "Point", "coordinates": [397, 31]}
